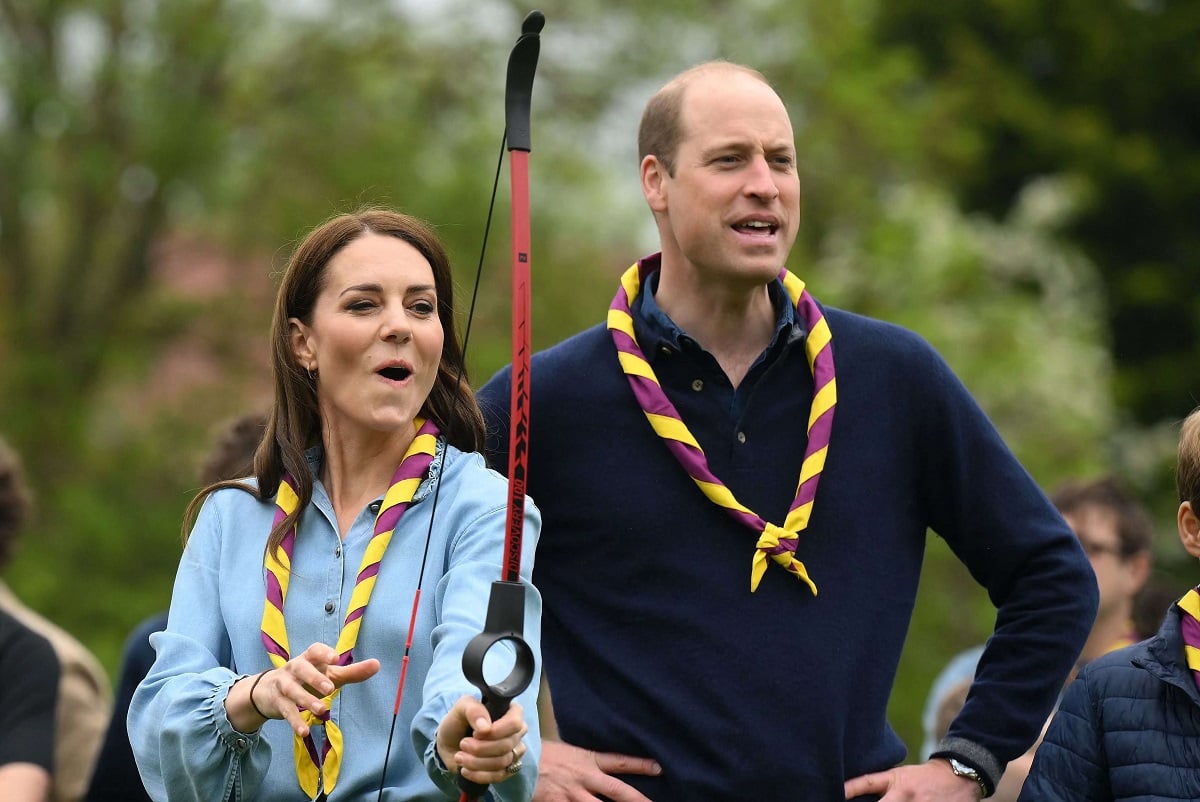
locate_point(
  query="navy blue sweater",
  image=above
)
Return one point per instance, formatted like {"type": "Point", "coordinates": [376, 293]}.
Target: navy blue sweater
{"type": "Point", "coordinates": [654, 644]}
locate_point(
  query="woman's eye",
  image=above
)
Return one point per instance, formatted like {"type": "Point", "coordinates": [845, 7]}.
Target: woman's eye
{"type": "Point", "coordinates": [360, 306]}
{"type": "Point", "coordinates": [423, 307]}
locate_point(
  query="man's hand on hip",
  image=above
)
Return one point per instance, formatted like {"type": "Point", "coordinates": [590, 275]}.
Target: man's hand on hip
{"type": "Point", "coordinates": [569, 774]}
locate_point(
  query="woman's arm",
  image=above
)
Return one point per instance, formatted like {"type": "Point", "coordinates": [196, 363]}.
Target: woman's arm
{"type": "Point", "coordinates": [184, 743]}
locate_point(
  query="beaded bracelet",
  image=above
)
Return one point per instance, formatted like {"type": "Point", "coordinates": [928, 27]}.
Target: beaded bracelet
{"type": "Point", "coordinates": [255, 685]}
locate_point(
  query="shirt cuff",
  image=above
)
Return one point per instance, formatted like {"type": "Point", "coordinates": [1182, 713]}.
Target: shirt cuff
{"type": "Point", "coordinates": [234, 740]}
{"type": "Point", "coordinates": [975, 756]}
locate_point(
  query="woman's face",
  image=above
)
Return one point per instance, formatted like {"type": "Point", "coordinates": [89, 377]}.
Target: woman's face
{"type": "Point", "coordinates": [375, 339]}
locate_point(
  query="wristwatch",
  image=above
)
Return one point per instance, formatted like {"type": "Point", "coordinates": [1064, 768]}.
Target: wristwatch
{"type": "Point", "coordinates": [963, 770]}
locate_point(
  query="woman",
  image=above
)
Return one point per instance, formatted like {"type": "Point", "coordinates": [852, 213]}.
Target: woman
{"type": "Point", "coordinates": [368, 377]}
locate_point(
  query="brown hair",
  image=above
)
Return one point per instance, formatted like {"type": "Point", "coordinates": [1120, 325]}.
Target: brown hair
{"type": "Point", "coordinates": [1135, 530]}
{"type": "Point", "coordinates": [16, 501]}
{"type": "Point", "coordinates": [294, 422]}
{"type": "Point", "coordinates": [1187, 469]}
{"type": "Point", "coordinates": [661, 129]}
{"type": "Point", "coordinates": [232, 457]}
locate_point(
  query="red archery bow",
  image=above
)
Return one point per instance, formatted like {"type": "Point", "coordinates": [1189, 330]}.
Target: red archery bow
{"type": "Point", "coordinates": [506, 606]}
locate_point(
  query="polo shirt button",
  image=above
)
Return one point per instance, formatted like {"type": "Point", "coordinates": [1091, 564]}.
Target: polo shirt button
{"type": "Point", "coordinates": [665, 350]}
{"type": "Point", "coordinates": [697, 384]}
{"type": "Point", "coordinates": [741, 437]}
{"type": "Point", "coordinates": [329, 607]}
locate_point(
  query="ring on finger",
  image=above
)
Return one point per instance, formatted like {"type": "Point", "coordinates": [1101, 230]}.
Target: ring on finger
{"type": "Point", "coordinates": [515, 766]}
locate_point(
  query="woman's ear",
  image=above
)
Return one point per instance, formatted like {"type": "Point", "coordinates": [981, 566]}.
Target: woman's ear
{"type": "Point", "coordinates": [301, 339]}
{"type": "Point", "coordinates": [1189, 528]}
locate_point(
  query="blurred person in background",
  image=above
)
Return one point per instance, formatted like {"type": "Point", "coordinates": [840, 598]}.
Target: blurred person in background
{"type": "Point", "coordinates": [84, 703]}
{"type": "Point", "coordinates": [116, 776]}
{"type": "Point", "coordinates": [28, 697]}
{"type": "Point", "coordinates": [372, 427]}
{"type": "Point", "coordinates": [1117, 535]}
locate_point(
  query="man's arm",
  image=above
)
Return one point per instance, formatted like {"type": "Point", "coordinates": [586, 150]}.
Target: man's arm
{"type": "Point", "coordinates": [928, 782]}
{"type": "Point", "coordinates": [28, 697]}
{"type": "Point", "coordinates": [1000, 524]}
{"type": "Point", "coordinates": [25, 782]}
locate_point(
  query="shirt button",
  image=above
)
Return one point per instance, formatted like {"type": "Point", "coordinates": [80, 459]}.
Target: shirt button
{"type": "Point", "coordinates": [741, 437]}
{"type": "Point", "coordinates": [329, 607]}
{"type": "Point", "coordinates": [698, 385]}
{"type": "Point", "coordinates": [337, 552]}
{"type": "Point", "coordinates": [374, 506]}
{"type": "Point", "coordinates": [665, 350]}
{"type": "Point", "coordinates": [241, 744]}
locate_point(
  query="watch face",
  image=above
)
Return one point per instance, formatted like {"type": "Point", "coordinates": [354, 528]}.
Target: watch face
{"type": "Point", "coordinates": [963, 770]}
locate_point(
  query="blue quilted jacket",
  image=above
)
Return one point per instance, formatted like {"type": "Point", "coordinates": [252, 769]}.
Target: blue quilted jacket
{"type": "Point", "coordinates": [1128, 729]}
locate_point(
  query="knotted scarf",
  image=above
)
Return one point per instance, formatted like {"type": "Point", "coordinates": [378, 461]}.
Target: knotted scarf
{"type": "Point", "coordinates": [318, 772]}
{"type": "Point", "coordinates": [775, 542]}
{"type": "Point", "coordinates": [1189, 623]}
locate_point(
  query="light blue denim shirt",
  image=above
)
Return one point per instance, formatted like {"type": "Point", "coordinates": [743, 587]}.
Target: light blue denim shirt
{"type": "Point", "coordinates": [186, 749]}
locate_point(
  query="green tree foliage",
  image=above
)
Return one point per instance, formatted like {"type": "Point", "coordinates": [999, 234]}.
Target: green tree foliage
{"type": "Point", "coordinates": [1108, 94]}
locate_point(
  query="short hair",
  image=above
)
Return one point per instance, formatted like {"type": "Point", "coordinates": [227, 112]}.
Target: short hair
{"type": "Point", "coordinates": [661, 129]}
{"type": "Point", "coordinates": [1135, 529]}
{"type": "Point", "coordinates": [16, 501]}
{"type": "Point", "coordinates": [1187, 469]}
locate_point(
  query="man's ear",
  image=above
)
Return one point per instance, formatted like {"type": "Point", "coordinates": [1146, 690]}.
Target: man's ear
{"type": "Point", "coordinates": [300, 337]}
{"type": "Point", "coordinates": [654, 176]}
{"type": "Point", "coordinates": [1189, 528]}
{"type": "Point", "coordinates": [1139, 566]}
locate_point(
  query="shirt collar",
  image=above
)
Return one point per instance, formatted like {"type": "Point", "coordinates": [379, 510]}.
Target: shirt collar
{"type": "Point", "coordinates": [658, 331]}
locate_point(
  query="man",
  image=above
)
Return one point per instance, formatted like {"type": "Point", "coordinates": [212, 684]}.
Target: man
{"type": "Point", "coordinates": [714, 631]}
{"type": "Point", "coordinates": [1117, 535]}
{"type": "Point", "coordinates": [84, 698]}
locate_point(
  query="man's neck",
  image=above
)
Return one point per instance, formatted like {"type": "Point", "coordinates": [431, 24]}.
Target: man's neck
{"type": "Point", "coordinates": [734, 324]}
{"type": "Point", "coordinates": [1107, 634]}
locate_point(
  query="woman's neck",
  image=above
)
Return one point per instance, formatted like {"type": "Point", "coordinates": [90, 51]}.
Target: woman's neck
{"type": "Point", "coordinates": [358, 467]}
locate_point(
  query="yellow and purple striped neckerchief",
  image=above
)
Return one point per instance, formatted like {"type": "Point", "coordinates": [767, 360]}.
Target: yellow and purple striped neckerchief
{"type": "Point", "coordinates": [777, 543]}
{"type": "Point", "coordinates": [318, 772]}
{"type": "Point", "coordinates": [1189, 624]}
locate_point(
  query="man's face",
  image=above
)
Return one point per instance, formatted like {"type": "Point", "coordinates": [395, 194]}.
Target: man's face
{"type": "Point", "coordinates": [730, 212]}
{"type": "Point", "coordinates": [1118, 574]}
